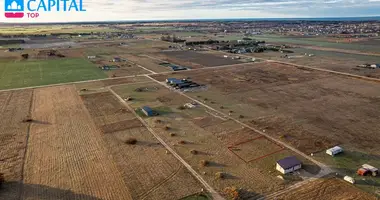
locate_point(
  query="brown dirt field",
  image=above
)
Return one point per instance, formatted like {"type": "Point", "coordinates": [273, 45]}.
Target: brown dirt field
{"type": "Point", "coordinates": [286, 129]}
{"type": "Point", "coordinates": [106, 104]}
{"type": "Point", "coordinates": [208, 60]}
{"type": "Point", "coordinates": [175, 60]}
{"type": "Point", "coordinates": [311, 110]}
{"type": "Point", "coordinates": [66, 156]}
{"type": "Point", "coordinates": [14, 107]}
{"type": "Point", "coordinates": [122, 125]}
{"type": "Point", "coordinates": [327, 189]}
{"type": "Point", "coordinates": [205, 142]}
{"type": "Point", "coordinates": [148, 63]}
{"type": "Point", "coordinates": [95, 85]}
{"type": "Point", "coordinates": [148, 171]}
{"type": "Point", "coordinates": [251, 150]}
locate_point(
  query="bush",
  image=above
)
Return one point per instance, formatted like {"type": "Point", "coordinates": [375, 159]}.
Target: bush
{"type": "Point", "coordinates": [167, 128]}
{"type": "Point", "coordinates": [204, 163]}
{"type": "Point", "coordinates": [27, 119]}
{"type": "Point", "coordinates": [241, 116]}
{"type": "Point", "coordinates": [181, 142]}
{"type": "Point", "coordinates": [131, 141]}
{"type": "Point", "coordinates": [194, 152]}
{"type": "Point", "coordinates": [172, 134]}
{"type": "Point", "coordinates": [220, 175]}
{"type": "Point", "coordinates": [181, 107]}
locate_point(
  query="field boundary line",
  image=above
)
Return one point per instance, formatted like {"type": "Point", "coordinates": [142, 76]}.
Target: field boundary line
{"type": "Point", "coordinates": [31, 107]}
{"type": "Point", "coordinates": [216, 195]}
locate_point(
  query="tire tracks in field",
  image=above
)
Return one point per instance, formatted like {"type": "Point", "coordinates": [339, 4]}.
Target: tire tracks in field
{"type": "Point", "coordinates": [6, 102]}
{"type": "Point", "coordinates": [26, 147]}
{"type": "Point", "coordinates": [156, 187]}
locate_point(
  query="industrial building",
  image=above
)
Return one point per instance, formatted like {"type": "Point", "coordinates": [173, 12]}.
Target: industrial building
{"type": "Point", "coordinates": [288, 165]}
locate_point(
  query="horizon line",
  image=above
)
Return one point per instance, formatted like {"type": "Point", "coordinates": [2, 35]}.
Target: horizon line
{"type": "Point", "coordinates": [353, 18]}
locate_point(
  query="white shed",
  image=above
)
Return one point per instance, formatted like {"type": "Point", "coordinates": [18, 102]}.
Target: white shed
{"type": "Point", "coordinates": [288, 165]}
{"type": "Point", "coordinates": [334, 151]}
{"type": "Point", "coordinates": [349, 179]}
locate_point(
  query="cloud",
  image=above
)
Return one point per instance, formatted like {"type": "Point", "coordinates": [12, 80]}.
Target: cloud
{"type": "Point", "coordinates": [115, 10]}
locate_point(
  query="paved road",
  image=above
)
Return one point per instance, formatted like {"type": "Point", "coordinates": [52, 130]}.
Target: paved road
{"type": "Point", "coordinates": [215, 195]}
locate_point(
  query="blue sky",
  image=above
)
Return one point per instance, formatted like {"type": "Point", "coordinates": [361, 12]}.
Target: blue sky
{"type": "Point", "coordinates": [99, 10]}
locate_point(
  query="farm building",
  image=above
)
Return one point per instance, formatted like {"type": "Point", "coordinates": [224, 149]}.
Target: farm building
{"type": "Point", "coordinates": [116, 59]}
{"type": "Point", "coordinates": [288, 165]}
{"type": "Point", "coordinates": [334, 151]}
{"type": "Point", "coordinates": [91, 57]}
{"type": "Point", "coordinates": [363, 172]}
{"type": "Point", "coordinates": [349, 179]}
{"type": "Point", "coordinates": [373, 170]}
{"type": "Point", "coordinates": [148, 111]}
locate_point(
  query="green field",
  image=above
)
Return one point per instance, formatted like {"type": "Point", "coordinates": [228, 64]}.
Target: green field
{"type": "Point", "coordinates": [35, 73]}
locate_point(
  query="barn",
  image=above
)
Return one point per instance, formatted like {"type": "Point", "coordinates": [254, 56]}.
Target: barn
{"type": "Point", "coordinates": [288, 165]}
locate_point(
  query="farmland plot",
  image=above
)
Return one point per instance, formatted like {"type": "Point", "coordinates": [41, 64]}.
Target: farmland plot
{"type": "Point", "coordinates": [148, 171]}
{"type": "Point", "coordinates": [66, 157]}
{"type": "Point", "coordinates": [14, 107]}
{"type": "Point", "coordinates": [188, 130]}
{"type": "Point", "coordinates": [207, 60]}
{"type": "Point", "coordinates": [327, 189]}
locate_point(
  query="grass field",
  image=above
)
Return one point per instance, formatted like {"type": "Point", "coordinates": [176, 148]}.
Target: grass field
{"type": "Point", "coordinates": [43, 72]}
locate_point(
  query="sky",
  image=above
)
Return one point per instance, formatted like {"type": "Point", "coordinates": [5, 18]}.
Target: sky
{"type": "Point", "coordinates": [117, 10]}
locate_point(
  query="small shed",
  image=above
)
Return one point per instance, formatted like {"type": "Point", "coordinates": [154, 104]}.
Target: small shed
{"type": "Point", "coordinates": [373, 170]}
{"type": "Point", "coordinates": [349, 179]}
{"type": "Point", "coordinates": [147, 111]}
{"type": "Point", "coordinates": [91, 57]}
{"type": "Point", "coordinates": [288, 165]}
{"type": "Point", "coordinates": [334, 151]}
{"type": "Point", "coordinates": [116, 59]}
{"type": "Point", "coordinates": [363, 172]}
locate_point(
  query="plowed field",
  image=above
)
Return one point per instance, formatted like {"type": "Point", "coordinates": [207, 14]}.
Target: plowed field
{"type": "Point", "coordinates": [66, 156]}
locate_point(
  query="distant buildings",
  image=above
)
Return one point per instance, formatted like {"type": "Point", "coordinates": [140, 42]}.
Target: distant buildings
{"type": "Point", "coordinates": [91, 57]}
{"type": "Point", "coordinates": [288, 165]}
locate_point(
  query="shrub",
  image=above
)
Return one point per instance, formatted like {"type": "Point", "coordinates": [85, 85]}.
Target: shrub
{"type": "Point", "coordinates": [181, 107]}
{"type": "Point", "coordinates": [204, 163]}
{"type": "Point", "coordinates": [220, 175]}
{"type": "Point", "coordinates": [167, 128]}
{"type": "Point", "coordinates": [181, 142]}
{"type": "Point", "coordinates": [131, 141]}
{"type": "Point", "coordinates": [194, 152]}
{"type": "Point", "coordinates": [241, 116]}
{"type": "Point", "coordinates": [172, 134]}
{"type": "Point", "coordinates": [221, 107]}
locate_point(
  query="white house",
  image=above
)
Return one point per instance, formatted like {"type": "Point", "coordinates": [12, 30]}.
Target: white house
{"type": "Point", "coordinates": [334, 151]}
{"type": "Point", "coordinates": [288, 165]}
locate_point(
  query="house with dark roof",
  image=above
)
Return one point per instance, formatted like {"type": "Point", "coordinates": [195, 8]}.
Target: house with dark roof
{"type": "Point", "coordinates": [288, 165]}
